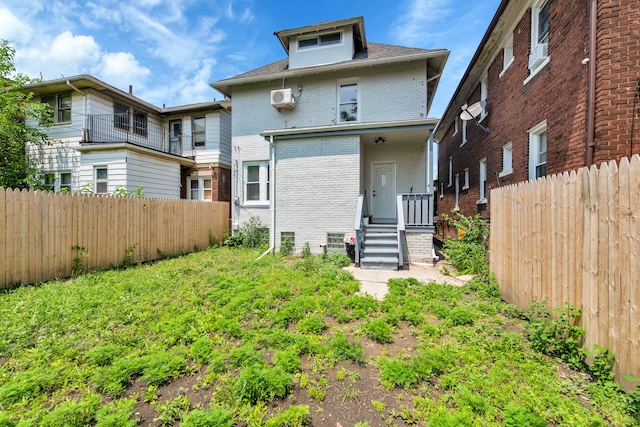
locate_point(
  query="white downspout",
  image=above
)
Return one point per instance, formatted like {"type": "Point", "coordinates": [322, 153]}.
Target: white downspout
{"type": "Point", "coordinates": [430, 175]}
{"type": "Point", "coordinates": [84, 110]}
{"type": "Point", "coordinates": [272, 197]}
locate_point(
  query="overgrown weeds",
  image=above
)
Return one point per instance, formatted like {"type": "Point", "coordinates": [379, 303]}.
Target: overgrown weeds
{"type": "Point", "coordinates": [467, 252]}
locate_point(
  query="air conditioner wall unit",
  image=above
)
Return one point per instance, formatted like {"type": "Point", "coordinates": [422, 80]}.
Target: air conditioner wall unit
{"type": "Point", "coordinates": [538, 55]}
{"type": "Point", "coordinates": [282, 98]}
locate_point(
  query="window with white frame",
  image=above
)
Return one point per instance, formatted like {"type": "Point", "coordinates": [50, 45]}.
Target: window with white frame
{"type": "Point", "coordinates": [121, 118]}
{"type": "Point", "coordinates": [101, 180]}
{"type": "Point", "coordinates": [508, 57]}
{"type": "Point", "coordinates": [455, 126]}
{"type": "Point", "coordinates": [483, 181]}
{"type": "Point", "coordinates": [320, 40]}
{"type": "Point", "coordinates": [198, 131]}
{"type": "Point", "coordinates": [200, 188]}
{"type": "Point", "coordinates": [457, 192]}
{"type": "Point", "coordinates": [450, 171]}
{"type": "Point", "coordinates": [441, 190]}
{"type": "Point", "coordinates": [484, 94]}
{"type": "Point", "coordinates": [60, 182]}
{"type": "Point", "coordinates": [539, 34]}
{"type": "Point", "coordinates": [464, 132]}
{"type": "Point", "coordinates": [348, 102]}
{"type": "Point", "coordinates": [256, 183]}
{"type": "Point", "coordinates": [507, 160]}
{"type": "Point", "coordinates": [538, 151]}
{"type": "Point", "coordinates": [59, 106]}
{"type": "Point", "coordinates": [465, 183]}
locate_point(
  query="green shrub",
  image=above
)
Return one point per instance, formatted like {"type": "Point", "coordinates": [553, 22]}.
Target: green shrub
{"type": "Point", "coordinates": [202, 349]}
{"type": "Point", "coordinates": [312, 325]}
{"type": "Point", "coordinates": [342, 349]}
{"type": "Point", "coordinates": [460, 316]}
{"type": "Point", "coordinates": [254, 234]}
{"type": "Point", "coordinates": [379, 331]}
{"type": "Point", "coordinates": [245, 356]}
{"type": "Point", "coordinates": [467, 252]}
{"type": "Point", "coordinates": [258, 384]}
{"type": "Point", "coordinates": [337, 259]}
{"type": "Point", "coordinates": [519, 416]}
{"type": "Point", "coordinates": [475, 402]}
{"type": "Point", "coordinates": [214, 417]}
{"type": "Point", "coordinates": [288, 360]}
{"type": "Point", "coordinates": [295, 416]}
{"type": "Point", "coordinates": [72, 412]}
{"type": "Point", "coordinates": [117, 414]}
{"type": "Point", "coordinates": [103, 356]}
{"type": "Point", "coordinates": [397, 373]}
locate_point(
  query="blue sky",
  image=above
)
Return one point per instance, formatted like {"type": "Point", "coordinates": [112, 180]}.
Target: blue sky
{"type": "Point", "coordinates": [170, 50]}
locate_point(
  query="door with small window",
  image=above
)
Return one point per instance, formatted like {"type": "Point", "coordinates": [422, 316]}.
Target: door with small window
{"type": "Point", "coordinates": [383, 191]}
{"type": "Point", "coordinates": [175, 137]}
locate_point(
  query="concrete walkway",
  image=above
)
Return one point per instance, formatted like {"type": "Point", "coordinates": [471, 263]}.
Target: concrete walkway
{"type": "Point", "coordinates": [374, 282]}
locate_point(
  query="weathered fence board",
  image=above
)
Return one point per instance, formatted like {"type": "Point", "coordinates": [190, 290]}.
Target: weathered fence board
{"type": "Point", "coordinates": [44, 235]}
{"type": "Point", "coordinates": [575, 237]}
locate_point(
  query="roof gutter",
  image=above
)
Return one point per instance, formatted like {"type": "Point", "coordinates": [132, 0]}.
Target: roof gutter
{"type": "Point", "coordinates": [591, 90]}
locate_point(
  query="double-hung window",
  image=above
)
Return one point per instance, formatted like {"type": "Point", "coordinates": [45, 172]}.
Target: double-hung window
{"type": "Point", "coordinates": [483, 181]}
{"type": "Point", "coordinates": [507, 160]}
{"type": "Point", "coordinates": [60, 107]}
{"type": "Point", "coordinates": [538, 151]}
{"type": "Point", "coordinates": [539, 35]}
{"type": "Point", "coordinates": [450, 182]}
{"type": "Point", "coordinates": [348, 102]}
{"type": "Point", "coordinates": [484, 94]}
{"type": "Point", "coordinates": [465, 184]}
{"type": "Point", "coordinates": [101, 180]}
{"type": "Point", "coordinates": [507, 58]}
{"type": "Point", "coordinates": [256, 183]}
{"type": "Point", "coordinates": [140, 123]}
{"type": "Point", "coordinates": [198, 132]}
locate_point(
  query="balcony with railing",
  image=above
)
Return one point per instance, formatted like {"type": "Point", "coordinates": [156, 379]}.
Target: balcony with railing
{"type": "Point", "coordinates": [131, 129]}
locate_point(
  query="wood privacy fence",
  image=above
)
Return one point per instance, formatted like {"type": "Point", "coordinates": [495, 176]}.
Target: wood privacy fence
{"type": "Point", "coordinates": [575, 238]}
{"type": "Point", "coordinates": [45, 235]}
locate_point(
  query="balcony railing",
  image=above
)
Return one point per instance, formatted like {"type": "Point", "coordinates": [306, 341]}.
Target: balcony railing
{"type": "Point", "coordinates": [417, 209]}
{"type": "Point", "coordinates": [108, 128]}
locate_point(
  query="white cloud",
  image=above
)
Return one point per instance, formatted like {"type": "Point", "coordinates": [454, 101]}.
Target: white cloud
{"type": "Point", "coordinates": [67, 48]}
{"type": "Point", "coordinates": [421, 21]}
{"type": "Point", "coordinates": [12, 28]}
{"type": "Point", "coordinates": [122, 69]}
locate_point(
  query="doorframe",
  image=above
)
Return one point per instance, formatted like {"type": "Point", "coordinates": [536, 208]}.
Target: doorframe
{"type": "Point", "coordinates": [395, 186]}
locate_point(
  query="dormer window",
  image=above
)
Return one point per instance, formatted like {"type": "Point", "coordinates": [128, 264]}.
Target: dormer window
{"type": "Point", "coordinates": [321, 40]}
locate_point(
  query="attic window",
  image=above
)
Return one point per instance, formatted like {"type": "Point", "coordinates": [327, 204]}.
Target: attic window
{"type": "Point", "coordinates": [322, 40]}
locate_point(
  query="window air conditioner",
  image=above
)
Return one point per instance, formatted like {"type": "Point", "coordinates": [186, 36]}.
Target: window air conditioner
{"type": "Point", "coordinates": [538, 55]}
{"type": "Point", "coordinates": [282, 98]}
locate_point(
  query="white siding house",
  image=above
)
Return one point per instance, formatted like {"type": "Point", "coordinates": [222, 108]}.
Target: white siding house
{"type": "Point", "coordinates": [105, 138]}
{"type": "Point", "coordinates": [334, 132]}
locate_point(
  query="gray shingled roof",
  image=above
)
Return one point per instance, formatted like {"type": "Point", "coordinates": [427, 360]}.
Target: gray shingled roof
{"type": "Point", "coordinates": [374, 53]}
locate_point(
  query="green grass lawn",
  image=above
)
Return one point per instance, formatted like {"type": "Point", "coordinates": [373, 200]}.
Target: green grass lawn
{"type": "Point", "coordinates": [217, 338]}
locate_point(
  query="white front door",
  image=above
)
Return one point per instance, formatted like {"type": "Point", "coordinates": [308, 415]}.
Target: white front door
{"type": "Point", "coordinates": [383, 191]}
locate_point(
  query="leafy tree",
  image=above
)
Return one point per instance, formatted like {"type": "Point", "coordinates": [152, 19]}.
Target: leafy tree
{"type": "Point", "coordinates": [17, 138]}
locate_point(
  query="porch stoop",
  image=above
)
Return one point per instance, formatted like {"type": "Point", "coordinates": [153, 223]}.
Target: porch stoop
{"type": "Point", "coordinates": [380, 247]}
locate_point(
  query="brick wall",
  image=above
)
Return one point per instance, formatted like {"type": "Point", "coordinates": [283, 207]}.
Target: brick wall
{"type": "Point", "coordinates": [557, 94]}
{"type": "Point", "coordinates": [618, 71]}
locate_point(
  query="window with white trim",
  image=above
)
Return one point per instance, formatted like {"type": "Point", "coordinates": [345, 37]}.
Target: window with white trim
{"type": "Point", "coordinates": [348, 102]}
{"type": "Point", "coordinates": [507, 160]}
{"type": "Point", "coordinates": [465, 183]}
{"type": "Point", "coordinates": [60, 182]}
{"type": "Point", "coordinates": [538, 151]}
{"type": "Point", "coordinates": [256, 183]}
{"type": "Point", "coordinates": [457, 192]}
{"type": "Point", "coordinates": [60, 107]}
{"type": "Point", "coordinates": [200, 188]}
{"type": "Point", "coordinates": [441, 190]}
{"type": "Point", "coordinates": [484, 94]}
{"type": "Point", "coordinates": [508, 57]}
{"type": "Point", "coordinates": [198, 132]}
{"type": "Point", "coordinates": [464, 132]}
{"type": "Point", "coordinates": [483, 181]}
{"type": "Point", "coordinates": [455, 126]}
{"type": "Point", "coordinates": [450, 171]}
{"type": "Point", "coordinates": [101, 180]}
{"type": "Point", "coordinates": [539, 34]}
{"type": "Point", "coordinates": [320, 40]}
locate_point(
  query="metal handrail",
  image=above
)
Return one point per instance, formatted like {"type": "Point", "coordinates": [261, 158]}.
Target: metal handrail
{"type": "Point", "coordinates": [103, 128]}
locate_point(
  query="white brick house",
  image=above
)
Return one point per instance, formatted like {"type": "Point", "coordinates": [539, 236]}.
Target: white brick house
{"type": "Point", "coordinates": [334, 132]}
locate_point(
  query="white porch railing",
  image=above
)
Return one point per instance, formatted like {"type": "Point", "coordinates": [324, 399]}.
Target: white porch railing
{"type": "Point", "coordinates": [417, 209]}
{"type": "Point", "coordinates": [399, 208]}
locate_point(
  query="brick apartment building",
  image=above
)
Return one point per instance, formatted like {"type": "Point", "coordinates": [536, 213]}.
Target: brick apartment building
{"type": "Point", "coordinates": [553, 86]}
